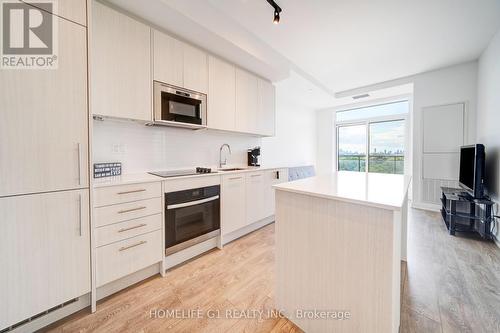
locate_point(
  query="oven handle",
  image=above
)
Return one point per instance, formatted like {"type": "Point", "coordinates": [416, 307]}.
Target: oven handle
{"type": "Point", "coordinates": [192, 203]}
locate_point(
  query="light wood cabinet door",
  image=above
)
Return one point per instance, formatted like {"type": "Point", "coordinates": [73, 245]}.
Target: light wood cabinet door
{"type": "Point", "coordinates": [221, 95]}
{"type": "Point", "coordinates": [255, 196]}
{"type": "Point", "coordinates": [45, 247]}
{"type": "Point", "coordinates": [195, 69]}
{"type": "Point", "coordinates": [246, 102]}
{"type": "Point", "coordinates": [233, 203]}
{"type": "Point", "coordinates": [266, 108]}
{"type": "Point", "coordinates": [44, 121]}
{"type": "Point", "coordinates": [73, 10]}
{"type": "Point", "coordinates": [121, 79]}
{"type": "Point", "coordinates": [272, 177]}
{"type": "Point", "coordinates": [168, 59]}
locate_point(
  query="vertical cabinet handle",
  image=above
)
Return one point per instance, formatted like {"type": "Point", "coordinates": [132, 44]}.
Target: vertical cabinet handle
{"type": "Point", "coordinates": [79, 163]}
{"type": "Point", "coordinates": [80, 213]}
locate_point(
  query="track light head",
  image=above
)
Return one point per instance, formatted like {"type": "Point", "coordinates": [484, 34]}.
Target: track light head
{"type": "Point", "coordinates": [277, 11]}
{"type": "Point", "coordinates": [276, 19]}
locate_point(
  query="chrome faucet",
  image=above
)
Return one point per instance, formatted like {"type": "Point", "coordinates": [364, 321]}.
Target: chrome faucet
{"type": "Point", "coordinates": [220, 154]}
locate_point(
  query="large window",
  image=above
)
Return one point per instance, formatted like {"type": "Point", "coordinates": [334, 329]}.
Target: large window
{"type": "Point", "coordinates": [352, 147]}
{"type": "Point", "coordinates": [372, 138]}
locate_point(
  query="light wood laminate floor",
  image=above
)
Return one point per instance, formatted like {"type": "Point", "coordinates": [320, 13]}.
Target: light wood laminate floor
{"type": "Point", "coordinates": [451, 284]}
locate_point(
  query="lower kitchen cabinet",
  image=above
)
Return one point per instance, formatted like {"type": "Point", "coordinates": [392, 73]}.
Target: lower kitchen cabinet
{"type": "Point", "coordinates": [248, 197]}
{"type": "Point", "coordinates": [233, 203]}
{"type": "Point", "coordinates": [128, 226]}
{"type": "Point", "coordinates": [271, 178]}
{"type": "Point", "coordinates": [45, 247]}
{"type": "Point", "coordinates": [119, 259]}
{"type": "Point", "coordinates": [255, 196]}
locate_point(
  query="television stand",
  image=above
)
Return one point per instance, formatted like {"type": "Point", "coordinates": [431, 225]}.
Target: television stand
{"type": "Point", "coordinates": [463, 213]}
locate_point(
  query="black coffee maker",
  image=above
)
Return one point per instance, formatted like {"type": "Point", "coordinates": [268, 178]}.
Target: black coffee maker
{"type": "Point", "coordinates": [253, 156]}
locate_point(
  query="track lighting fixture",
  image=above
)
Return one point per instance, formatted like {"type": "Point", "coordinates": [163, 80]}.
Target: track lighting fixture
{"type": "Point", "coordinates": [277, 11]}
{"type": "Point", "coordinates": [276, 19]}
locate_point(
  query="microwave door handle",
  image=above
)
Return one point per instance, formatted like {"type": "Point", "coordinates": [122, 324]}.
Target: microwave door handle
{"type": "Point", "coordinates": [192, 203]}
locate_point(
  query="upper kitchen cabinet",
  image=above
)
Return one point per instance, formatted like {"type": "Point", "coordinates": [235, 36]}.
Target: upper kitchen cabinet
{"type": "Point", "coordinates": [221, 95]}
{"type": "Point", "coordinates": [73, 10]}
{"type": "Point", "coordinates": [246, 102]}
{"type": "Point", "coordinates": [266, 108]}
{"type": "Point", "coordinates": [195, 69]}
{"type": "Point", "coordinates": [121, 80]}
{"type": "Point", "coordinates": [44, 121]}
{"type": "Point", "coordinates": [168, 59]}
{"type": "Point", "coordinates": [179, 64]}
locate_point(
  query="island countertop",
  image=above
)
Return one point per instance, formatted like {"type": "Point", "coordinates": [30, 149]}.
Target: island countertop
{"type": "Point", "coordinates": [371, 189]}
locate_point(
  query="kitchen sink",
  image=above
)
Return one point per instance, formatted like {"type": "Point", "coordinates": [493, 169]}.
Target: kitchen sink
{"type": "Point", "coordinates": [231, 169]}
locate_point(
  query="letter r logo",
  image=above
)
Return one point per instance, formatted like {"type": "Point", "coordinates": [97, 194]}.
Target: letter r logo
{"type": "Point", "coordinates": [27, 29]}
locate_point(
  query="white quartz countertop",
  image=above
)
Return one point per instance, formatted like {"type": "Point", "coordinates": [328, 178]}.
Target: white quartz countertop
{"type": "Point", "coordinates": [145, 177]}
{"type": "Point", "coordinates": [370, 189]}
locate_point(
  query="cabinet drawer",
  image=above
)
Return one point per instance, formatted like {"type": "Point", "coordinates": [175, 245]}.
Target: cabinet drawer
{"type": "Point", "coordinates": [128, 256]}
{"type": "Point", "coordinates": [127, 211]}
{"type": "Point", "coordinates": [105, 196]}
{"type": "Point", "coordinates": [123, 230]}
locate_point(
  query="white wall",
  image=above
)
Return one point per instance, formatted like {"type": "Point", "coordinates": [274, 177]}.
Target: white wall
{"type": "Point", "coordinates": [141, 148]}
{"type": "Point", "coordinates": [325, 141]}
{"type": "Point", "coordinates": [295, 140]}
{"type": "Point", "coordinates": [488, 115]}
{"type": "Point", "coordinates": [444, 86]}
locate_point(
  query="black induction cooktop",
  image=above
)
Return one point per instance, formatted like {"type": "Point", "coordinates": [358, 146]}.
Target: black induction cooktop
{"type": "Point", "coordinates": [180, 173]}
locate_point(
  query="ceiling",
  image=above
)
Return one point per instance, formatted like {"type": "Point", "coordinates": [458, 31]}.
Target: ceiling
{"type": "Point", "coordinates": [336, 45]}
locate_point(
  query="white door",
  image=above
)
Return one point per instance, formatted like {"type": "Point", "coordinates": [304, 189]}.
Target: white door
{"type": "Point", "coordinates": [45, 247]}
{"type": "Point", "coordinates": [221, 95]}
{"type": "Point", "coordinates": [121, 65]}
{"type": "Point", "coordinates": [195, 69]}
{"type": "Point", "coordinates": [266, 108]}
{"type": "Point", "coordinates": [168, 63]}
{"type": "Point", "coordinates": [44, 121]}
{"type": "Point", "coordinates": [233, 203]}
{"type": "Point", "coordinates": [246, 102]}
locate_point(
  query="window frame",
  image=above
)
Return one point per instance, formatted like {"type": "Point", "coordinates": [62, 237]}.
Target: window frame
{"type": "Point", "coordinates": [366, 122]}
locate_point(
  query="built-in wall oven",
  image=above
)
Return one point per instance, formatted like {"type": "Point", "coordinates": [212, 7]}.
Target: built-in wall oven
{"type": "Point", "coordinates": [191, 217]}
{"type": "Point", "coordinates": [174, 106]}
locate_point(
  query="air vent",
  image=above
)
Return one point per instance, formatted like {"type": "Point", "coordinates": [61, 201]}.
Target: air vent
{"type": "Point", "coordinates": [361, 96]}
{"type": "Point", "coordinates": [41, 314]}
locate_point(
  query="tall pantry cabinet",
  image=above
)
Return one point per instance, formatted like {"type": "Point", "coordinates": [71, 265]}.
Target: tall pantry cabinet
{"type": "Point", "coordinates": [44, 178]}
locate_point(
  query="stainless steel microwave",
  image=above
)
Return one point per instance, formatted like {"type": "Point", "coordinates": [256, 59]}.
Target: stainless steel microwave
{"type": "Point", "coordinates": [174, 106]}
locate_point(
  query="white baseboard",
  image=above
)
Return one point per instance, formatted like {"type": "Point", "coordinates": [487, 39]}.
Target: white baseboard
{"type": "Point", "coordinates": [246, 230]}
{"type": "Point", "coordinates": [426, 206]}
{"type": "Point", "coordinates": [51, 317]}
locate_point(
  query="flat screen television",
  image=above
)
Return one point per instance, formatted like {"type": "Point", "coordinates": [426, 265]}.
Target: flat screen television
{"type": "Point", "coordinates": [471, 177]}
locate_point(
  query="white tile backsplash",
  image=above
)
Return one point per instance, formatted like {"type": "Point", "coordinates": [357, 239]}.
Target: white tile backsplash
{"type": "Point", "coordinates": [141, 148]}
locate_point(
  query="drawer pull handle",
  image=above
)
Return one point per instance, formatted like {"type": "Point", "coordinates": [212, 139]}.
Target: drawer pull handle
{"type": "Point", "coordinates": [258, 175]}
{"type": "Point", "coordinates": [234, 178]}
{"type": "Point", "coordinates": [134, 227]}
{"type": "Point", "coordinates": [131, 246]}
{"type": "Point", "coordinates": [131, 210]}
{"type": "Point", "coordinates": [132, 191]}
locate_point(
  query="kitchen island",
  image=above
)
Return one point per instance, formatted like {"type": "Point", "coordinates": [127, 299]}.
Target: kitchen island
{"type": "Point", "coordinates": [340, 239]}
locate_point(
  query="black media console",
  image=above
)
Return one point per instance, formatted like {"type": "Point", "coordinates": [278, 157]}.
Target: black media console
{"type": "Point", "coordinates": [463, 213]}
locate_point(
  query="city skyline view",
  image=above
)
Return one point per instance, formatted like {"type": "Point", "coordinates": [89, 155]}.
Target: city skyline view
{"type": "Point", "coordinates": [386, 138]}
